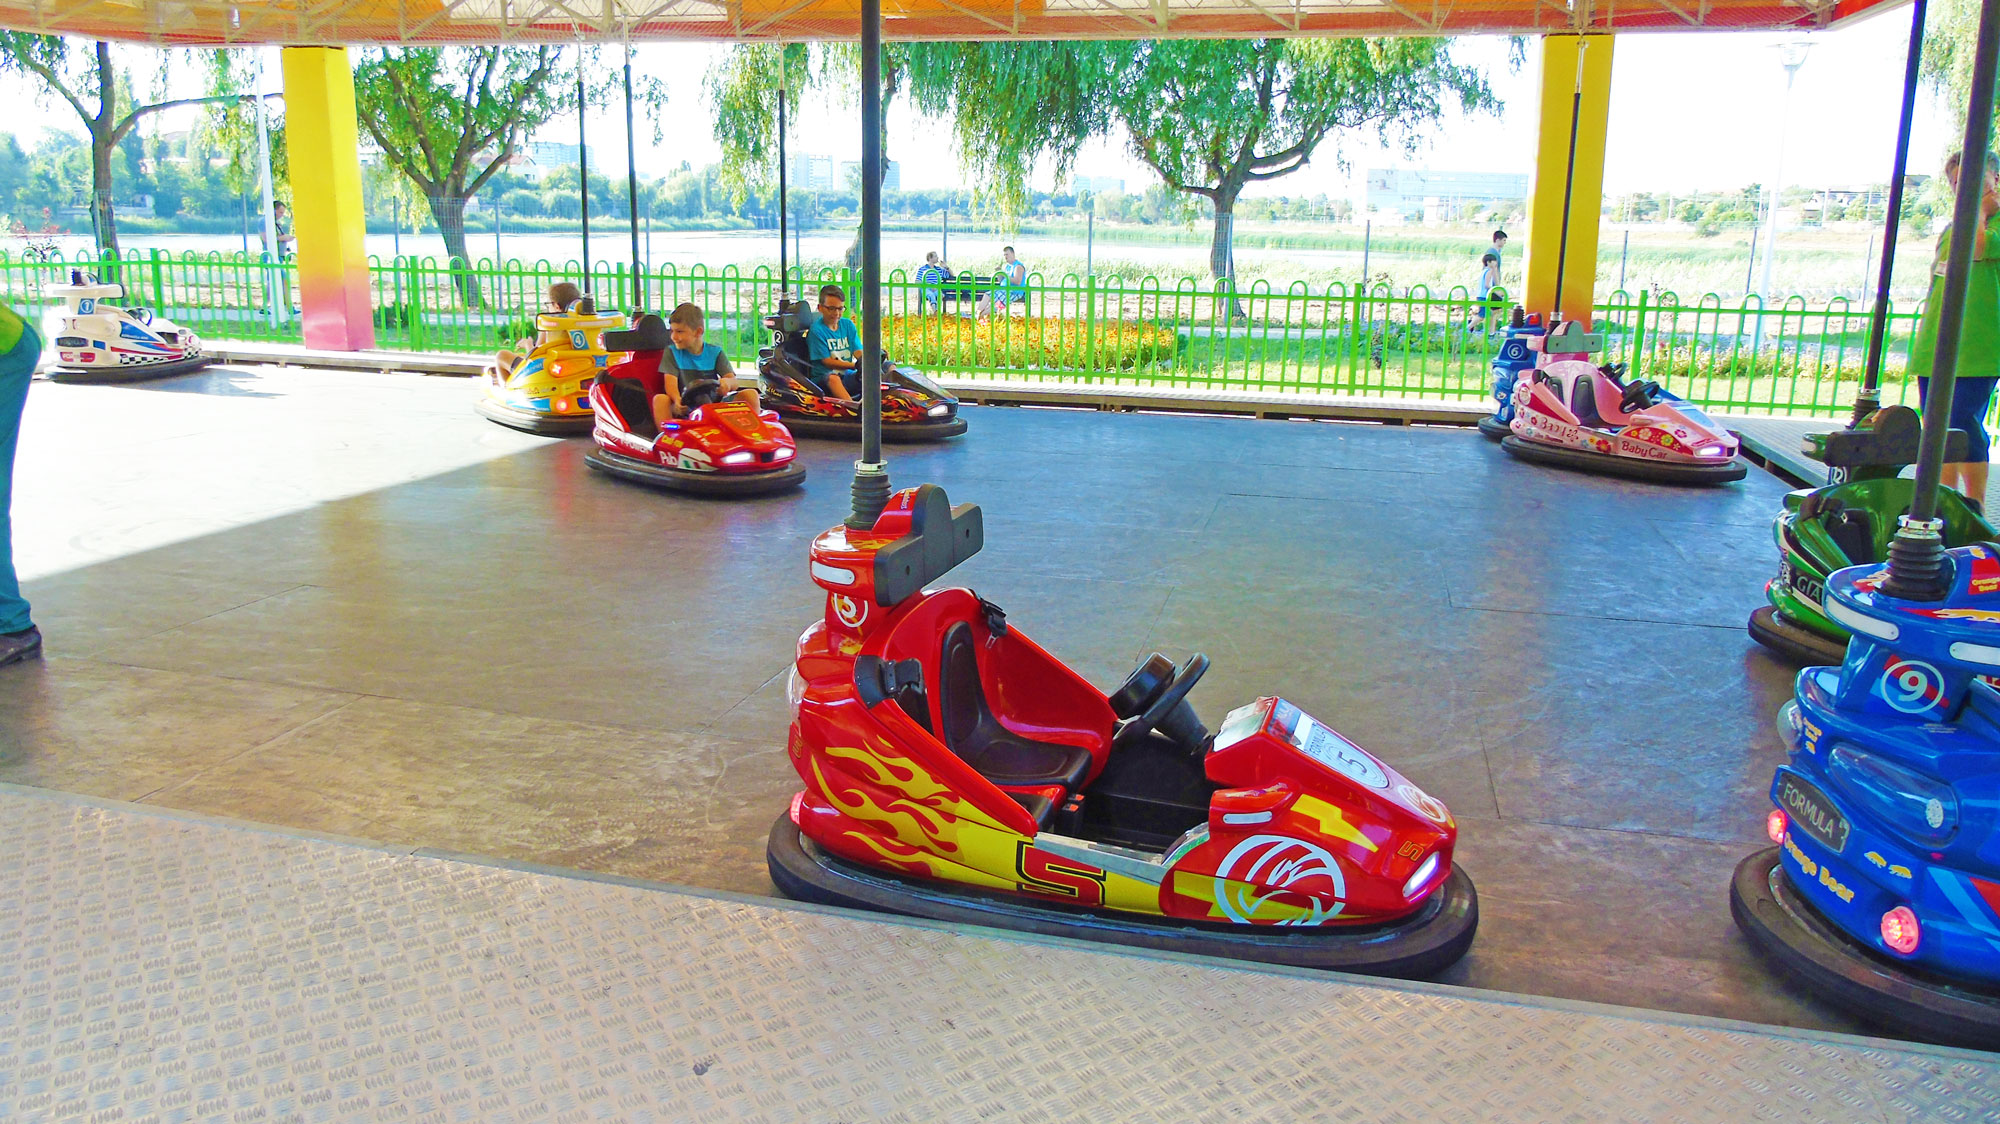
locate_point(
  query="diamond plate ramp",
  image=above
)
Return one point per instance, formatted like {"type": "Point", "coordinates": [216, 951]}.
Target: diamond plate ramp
{"type": "Point", "coordinates": [163, 967]}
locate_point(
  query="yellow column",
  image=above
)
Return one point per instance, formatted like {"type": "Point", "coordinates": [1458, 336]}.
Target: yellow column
{"type": "Point", "coordinates": [323, 144]}
{"type": "Point", "coordinates": [1570, 63]}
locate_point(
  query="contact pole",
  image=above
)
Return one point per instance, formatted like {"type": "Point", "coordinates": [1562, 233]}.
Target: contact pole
{"type": "Point", "coordinates": [781, 193]}
{"type": "Point", "coordinates": [1869, 398]}
{"type": "Point", "coordinates": [1569, 184]}
{"type": "Point", "coordinates": [1917, 569]}
{"type": "Point", "coordinates": [871, 476]}
{"type": "Point", "coordinates": [632, 190]}
{"type": "Point", "coordinates": [582, 171]}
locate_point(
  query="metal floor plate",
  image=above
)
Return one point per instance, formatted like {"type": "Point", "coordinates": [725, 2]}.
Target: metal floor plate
{"type": "Point", "coordinates": [163, 967]}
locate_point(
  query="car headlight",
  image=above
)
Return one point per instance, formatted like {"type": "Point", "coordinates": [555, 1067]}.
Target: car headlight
{"type": "Point", "coordinates": [741, 456]}
{"type": "Point", "coordinates": [1421, 877]}
{"type": "Point", "coordinates": [781, 455]}
{"type": "Point", "coordinates": [1920, 808]}
{"type": "Point", "coordinates": [1789, 724]}
{"type": "Point", "coordinates": [940, 410]}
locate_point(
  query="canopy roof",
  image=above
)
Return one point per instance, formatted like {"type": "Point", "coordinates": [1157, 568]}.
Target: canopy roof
{"type": "Point", "coordinates": [309, 22]}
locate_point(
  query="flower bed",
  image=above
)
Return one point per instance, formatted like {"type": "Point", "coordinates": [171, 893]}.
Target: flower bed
{"type": "Point", "coordinates": [950, 342]}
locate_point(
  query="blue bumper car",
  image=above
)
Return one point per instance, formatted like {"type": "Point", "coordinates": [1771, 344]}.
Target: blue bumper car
{"type": "Point", "coordinates": [1513, 357]}
{"type": "Point", "coordinates": [1882, 890]}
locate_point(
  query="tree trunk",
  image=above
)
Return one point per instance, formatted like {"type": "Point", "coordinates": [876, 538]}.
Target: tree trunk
{"type": "Point", "coordinates": [1221, 244]}
{"type": "Point", "coordinates": [448, 208]}
{"type": "Point", "coordinates": [101, 214]}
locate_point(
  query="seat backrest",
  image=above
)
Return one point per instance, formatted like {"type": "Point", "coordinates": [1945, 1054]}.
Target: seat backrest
{"type": "Point", "coordinates": [1852, 529]}
{"type": "Point", "coordinates": [961, 696]}
{"type": "Point", "coordinates": [634, 405]}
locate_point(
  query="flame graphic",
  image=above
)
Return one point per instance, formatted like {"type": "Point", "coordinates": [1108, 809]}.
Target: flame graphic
{"type": "Point", "coordinates": [898, 794]}
{"type": "Point", "coordinates": [911, 860]}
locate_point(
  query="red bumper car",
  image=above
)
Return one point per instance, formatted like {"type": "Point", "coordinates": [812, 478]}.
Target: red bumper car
{"type": "Point", "coordinates": [722, 448]}
{"type": "Point", "coordinates": [955, 770]}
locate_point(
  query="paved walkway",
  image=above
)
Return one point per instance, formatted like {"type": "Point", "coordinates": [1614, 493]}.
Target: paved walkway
{"type": "Point", "coordinates": [162, 967]}
{"type": "Point", "coordinates": [344, 603]}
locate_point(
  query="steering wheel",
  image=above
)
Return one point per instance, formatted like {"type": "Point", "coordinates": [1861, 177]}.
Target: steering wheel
{"type": "Point", "coordinates": [1638, 396]}
{"type": "Point", "coordinates": [701, 393]}
{"type": "Point", "coordinates": [1169, 694]}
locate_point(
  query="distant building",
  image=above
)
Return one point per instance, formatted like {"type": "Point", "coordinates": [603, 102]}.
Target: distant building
{"type": "Point", "coordinates": [811, 172]}
{"type": "Point", "coordinates": [1420, 193]}
{"type": "Point", "coordinates": [850, 171]}
{"type": "Point", "coordinates": [814, 172]}
{"type": "Point", "coordinates": [1100, 185]}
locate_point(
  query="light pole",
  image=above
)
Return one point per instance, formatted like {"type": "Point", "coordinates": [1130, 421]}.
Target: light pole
{"type": "Point", "coordinates": [1791, 56]}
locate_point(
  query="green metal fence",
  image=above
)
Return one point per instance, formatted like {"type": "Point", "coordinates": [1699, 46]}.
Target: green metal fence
{"type": "Point", "coordinates": [1145, 331]}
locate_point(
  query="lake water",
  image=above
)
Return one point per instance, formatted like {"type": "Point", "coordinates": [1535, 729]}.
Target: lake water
{"type": "Point", "coordinates": [749, 248]}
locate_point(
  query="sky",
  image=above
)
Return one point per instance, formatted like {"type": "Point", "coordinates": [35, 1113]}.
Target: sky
{"type": "Point", "coordinates": [1688, 112]}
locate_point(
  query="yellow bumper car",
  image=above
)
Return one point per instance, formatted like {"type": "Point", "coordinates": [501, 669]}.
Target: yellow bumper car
{"type": "Point", "coordinates": [547, 390]}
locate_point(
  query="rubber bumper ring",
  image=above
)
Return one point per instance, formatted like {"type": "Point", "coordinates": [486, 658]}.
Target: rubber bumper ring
{"type": "Point", "coordinates": [142, 372]}
{"type": "Point", "coordinates": [1795, 642]}
{"type": "Point", "coordinates": [1423, 944]}
{"type": "Point", "coordinates": [535, 422]}
{"type": "Point", "coordinates": [1789, 932]}
{"type": "Point", "coordinates": [719, 485]}
{"type": "Point", "coordinates": [849, 429]}
{"type": "Point", "coordinates": [1631, 468]}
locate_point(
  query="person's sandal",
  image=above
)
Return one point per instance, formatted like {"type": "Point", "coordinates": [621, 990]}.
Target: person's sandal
{"type": "Point", "coordinates": [18, 646]}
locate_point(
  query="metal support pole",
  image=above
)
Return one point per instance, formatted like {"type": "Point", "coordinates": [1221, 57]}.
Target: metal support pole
{"type": "Point", "coordinates": [1795, 58]}
{"type": "Point", "coordinates": [781, 195]}
{"type": "Point", "coordinates": [871, 476]}
{"type": "Point", "coordinates": [1089, 243]}
{"type": "Point", "coordinates": [632, 190]}
{"type": "Point", "coordinates": [1623, 255]}
{"type": "Point", "coordinates": [1569, 183]}
{"type": "Point", "coordinates": [1917, 569]}
{"type": "Point", "coordinates": [582, 171]}
{"type": "Point", "coordinates": [1869, 398]}
{"type": "Point", "coordinates": [496, 233]}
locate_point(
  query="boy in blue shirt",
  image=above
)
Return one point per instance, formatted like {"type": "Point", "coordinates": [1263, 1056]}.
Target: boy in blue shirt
{"type": "Point", "coordinates": [833, 343]}
{"type": "Point", "coordinates": [692, 362]}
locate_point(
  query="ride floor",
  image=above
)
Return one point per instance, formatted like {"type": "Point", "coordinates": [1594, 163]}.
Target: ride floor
{"type": "Point", "coordinates": [344, 603]}
{"type": "Point", "coordinates": [162, 967]}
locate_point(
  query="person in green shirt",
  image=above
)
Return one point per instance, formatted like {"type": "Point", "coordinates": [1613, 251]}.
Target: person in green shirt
{"type": "Point", "coordinates": [1978, 366]}
{"type": "Point", "coordinates": [20, 347]}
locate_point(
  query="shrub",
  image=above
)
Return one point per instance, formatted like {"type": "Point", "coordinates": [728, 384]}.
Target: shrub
{"type": "Point", "coordinates": [1028, 343]}
{"type": "Point", "coordinates": [395, 315]}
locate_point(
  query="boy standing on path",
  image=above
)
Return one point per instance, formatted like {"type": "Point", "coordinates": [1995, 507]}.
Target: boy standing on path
{"type": "Point", "coordinates": [833, 343]}
{"type": "Point", "coordinates": [20, 347]}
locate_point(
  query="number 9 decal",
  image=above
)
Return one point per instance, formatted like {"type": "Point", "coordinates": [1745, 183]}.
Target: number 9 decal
{"type": "Point", "coordinates": [1911, 686]}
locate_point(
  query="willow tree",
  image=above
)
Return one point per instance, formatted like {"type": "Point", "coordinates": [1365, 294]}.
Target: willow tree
{"type": "Point", "coordinates": [744, 85]}
{"type": "Point", "coordinates": [1212, 117]}
{"type": "Point", "coordinates": [449, 119]}
{"type": "Point", "coordinates": [85, 76]}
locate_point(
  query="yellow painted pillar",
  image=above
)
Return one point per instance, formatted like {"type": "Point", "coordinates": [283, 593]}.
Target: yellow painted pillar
{"type": "Point", "coordinates": [1570, 63]}
{"type": "Point", "coordinates": [323, 144]}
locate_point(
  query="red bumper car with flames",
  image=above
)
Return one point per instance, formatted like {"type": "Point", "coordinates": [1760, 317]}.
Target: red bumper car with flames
{"type": "Point", "coordinates": [955, 770]}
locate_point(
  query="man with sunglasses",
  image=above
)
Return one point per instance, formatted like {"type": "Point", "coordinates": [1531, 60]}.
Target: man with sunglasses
{"type": "Point", "coordinates": [833, 343]}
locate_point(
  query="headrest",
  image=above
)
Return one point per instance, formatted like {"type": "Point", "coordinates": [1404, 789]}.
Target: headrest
{"type": "Point", "coordinates": [649, 334]}
{"type": "Point", "coordinates": [797, 317]}
{"type": "Point", "coordinates": [1890, 440]}
{"type": "Point", "coordinates": [940, 537]}
{"type": "Point", "coordinates": [582, 306]}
